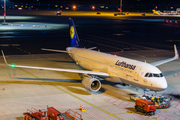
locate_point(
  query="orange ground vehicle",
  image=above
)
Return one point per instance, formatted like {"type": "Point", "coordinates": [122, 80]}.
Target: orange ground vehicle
{"type": "Point", "coordinates": [35, 114]}
{"type": "Point", "coordinates": [58, 12]}
{"type": "Point", "coordinates": [54, 114]}
{"type": "Point", "coordinates": [145, 106]}
{"type": "Point", "coordinates": [43, 114]}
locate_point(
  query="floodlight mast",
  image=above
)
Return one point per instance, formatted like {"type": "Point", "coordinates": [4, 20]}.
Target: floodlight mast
{"type": "Point", "coordinates": [120, 7]}
{"type": "Point", "coordinates": [4, 10]}
{"type": "Point", "coordinates": [4, 23]}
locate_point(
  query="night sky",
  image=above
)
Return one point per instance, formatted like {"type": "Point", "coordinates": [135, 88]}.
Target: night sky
{"type": "Point", "coordinates": [103, 1]}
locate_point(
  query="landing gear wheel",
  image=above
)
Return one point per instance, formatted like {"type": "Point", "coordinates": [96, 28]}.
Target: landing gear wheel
{"type": "Point", "coordinates": [146, 113]}
{"type": "Point", "coordinates": [136, 108]}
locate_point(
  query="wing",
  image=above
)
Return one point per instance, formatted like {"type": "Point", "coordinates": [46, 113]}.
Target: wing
{"type": "Point", "coordinates": [167, 60]}
{"type": "Point", "coordinates": [103, 74]}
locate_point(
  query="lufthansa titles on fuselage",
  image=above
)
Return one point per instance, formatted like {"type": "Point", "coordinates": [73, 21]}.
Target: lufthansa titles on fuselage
{"type": "Point", "coordinates": [125, 65]}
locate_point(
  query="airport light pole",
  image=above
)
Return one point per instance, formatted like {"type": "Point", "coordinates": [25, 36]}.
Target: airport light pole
{"type": "Point", "coordinates": [4, 23]}
{"type": "Point", "coordinates": [120, 7]}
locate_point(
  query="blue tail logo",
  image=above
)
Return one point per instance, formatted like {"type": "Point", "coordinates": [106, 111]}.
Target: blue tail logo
{"type": "Point", "coordinates": [73, 34]}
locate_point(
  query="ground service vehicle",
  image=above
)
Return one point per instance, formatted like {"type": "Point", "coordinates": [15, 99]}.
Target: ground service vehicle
{"type": "Point", "coordinates": [43, 114]}
{"type": "Point", "coordinates": [136, 97]}
{"type": "Point", "coordinates": [35, 114]}
{"type": "Point", "coordinates": [54, 114]}
{"type": "Point", "coordinates": [145, 106]}
{"type": "Point", "coordinates": [58, 12]}
{"type": "Point", "coordinates": [162, 102]}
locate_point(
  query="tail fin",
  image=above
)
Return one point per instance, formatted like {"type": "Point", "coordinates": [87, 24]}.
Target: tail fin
{"type": "Point", "coordinates": [73, 34]}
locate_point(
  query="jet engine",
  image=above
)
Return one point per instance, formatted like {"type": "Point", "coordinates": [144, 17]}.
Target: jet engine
{"type": "Point", "coordinates": [91, 84]}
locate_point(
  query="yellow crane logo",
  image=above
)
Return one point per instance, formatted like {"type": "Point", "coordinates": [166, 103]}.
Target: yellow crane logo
{"type": "Point", "coordinates": [72, 32]}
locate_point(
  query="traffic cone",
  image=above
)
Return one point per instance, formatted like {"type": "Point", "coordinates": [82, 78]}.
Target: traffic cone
{"type": "Point", "coordinates": [175, 75]}
{"type": "Point", "coordinates": [82, 109]}
{"type": "Point", "coordinates": [3, 88]}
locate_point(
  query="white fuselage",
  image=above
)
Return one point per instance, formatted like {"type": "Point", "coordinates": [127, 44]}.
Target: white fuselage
{"type": "Point", "coordinates": [120, 69]}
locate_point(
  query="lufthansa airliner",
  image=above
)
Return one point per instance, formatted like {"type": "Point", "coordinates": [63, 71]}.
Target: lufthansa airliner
{"type": "Point", "coordinates": [112, 68]}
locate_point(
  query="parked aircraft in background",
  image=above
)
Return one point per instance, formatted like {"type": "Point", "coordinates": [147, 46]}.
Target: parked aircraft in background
{"type": "Point", "coordinates": [157, 12]}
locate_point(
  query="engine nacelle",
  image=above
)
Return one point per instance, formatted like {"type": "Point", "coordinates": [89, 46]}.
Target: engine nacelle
{"type": "Point", "coordinates": [91, 84]}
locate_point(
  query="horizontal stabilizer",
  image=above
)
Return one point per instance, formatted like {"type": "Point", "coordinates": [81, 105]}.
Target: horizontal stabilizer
{"type": "Point", "coordinates": [54, 50]}
{"type": "Point", "coordinates": [92, 48]}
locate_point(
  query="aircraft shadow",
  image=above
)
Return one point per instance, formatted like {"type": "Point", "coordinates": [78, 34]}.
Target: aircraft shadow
{"type": "Point", "coordinates": [174, 96]}
{"type": "Point", "coordinates": [55, 80]}
{"type": "Point", "coordinates": [66, 80]}
{"type": "Point", "coordinates": [75, 86]}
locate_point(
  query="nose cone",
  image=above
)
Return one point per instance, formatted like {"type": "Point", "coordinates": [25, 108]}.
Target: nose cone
{"type": "Point", "coordinates": [162, 84]}
{"type": "Point", "coordinates": [159, 84]}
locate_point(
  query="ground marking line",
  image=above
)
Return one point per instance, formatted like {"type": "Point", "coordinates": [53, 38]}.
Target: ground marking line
{"type": "Point", "coordinates": [94, 115]}
{"type": "Point", "coordinates": [175, 97]}
{"type": "Point", "coordinates": [120, 113]}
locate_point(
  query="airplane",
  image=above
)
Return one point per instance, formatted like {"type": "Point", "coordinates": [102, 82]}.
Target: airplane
{"type": "Point", "coordinates": [112, 68]}
{"type": "Point", "coordinates": [157, 12]}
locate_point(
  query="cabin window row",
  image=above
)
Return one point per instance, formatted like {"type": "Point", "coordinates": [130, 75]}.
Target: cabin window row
{"type": "Point", "coordinates": [91, 60]}
{"type": "Point", "coordinates": [105, 64]}
{"type": "Point", "coordinates": [120, 68]}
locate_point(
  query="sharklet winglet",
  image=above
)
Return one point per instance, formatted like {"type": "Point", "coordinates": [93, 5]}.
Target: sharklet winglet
{"type": "Point", "coordinates": [4, 58]}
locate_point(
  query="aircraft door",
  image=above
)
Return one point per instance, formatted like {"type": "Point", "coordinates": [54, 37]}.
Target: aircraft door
{"type": "Point", "coordinates": [136, 73]}
{"type": "Point", "coordinates": [107, 65]}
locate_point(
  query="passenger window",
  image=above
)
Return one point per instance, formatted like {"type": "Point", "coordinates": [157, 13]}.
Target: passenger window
{"type": "Point", "coordinates": [150, 75]}
{"type": "Point", "coordinates": [146, 74]}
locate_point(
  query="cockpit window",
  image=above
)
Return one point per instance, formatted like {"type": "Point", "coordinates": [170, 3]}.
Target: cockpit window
{"type": "Point", "coordinates": [153, 75]}
{"type": "Point", "coordinates": [146, 74]}
{"type": "Point", "coordinates": [150, 75]}
{"type": "Point", "coordinates": [161, 75]}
